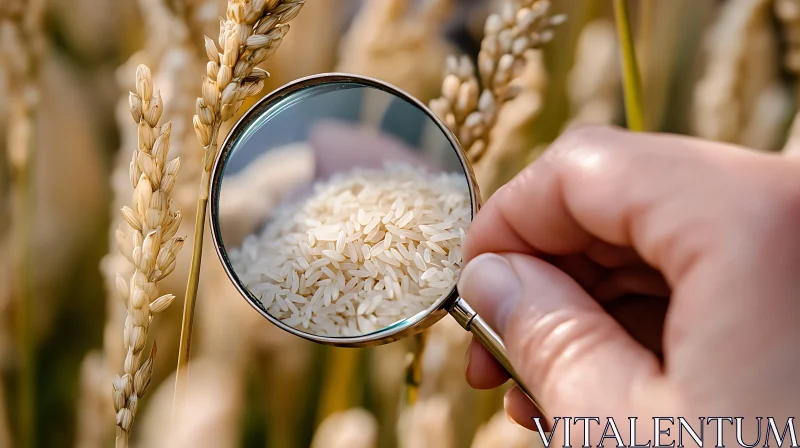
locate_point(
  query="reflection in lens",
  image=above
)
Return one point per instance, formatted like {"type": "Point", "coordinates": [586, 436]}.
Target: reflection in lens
{"type": "Point", "coordinates": [361, 227]}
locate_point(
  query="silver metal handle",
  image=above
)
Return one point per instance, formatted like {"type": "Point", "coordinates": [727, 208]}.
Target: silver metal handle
{"type": "Point", "coordinates": [472, 322]}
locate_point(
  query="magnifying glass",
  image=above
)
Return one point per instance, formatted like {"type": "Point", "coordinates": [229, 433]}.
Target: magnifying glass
{"type": "Point", "coordinates": [339, 204]}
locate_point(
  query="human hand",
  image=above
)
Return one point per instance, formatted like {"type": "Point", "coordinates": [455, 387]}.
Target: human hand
{"type": "Point", "coordinates": [692, 247]}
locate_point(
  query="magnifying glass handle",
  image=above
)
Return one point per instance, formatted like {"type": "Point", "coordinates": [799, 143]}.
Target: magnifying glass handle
{"type": "Point", "coordinates": [472, 322]}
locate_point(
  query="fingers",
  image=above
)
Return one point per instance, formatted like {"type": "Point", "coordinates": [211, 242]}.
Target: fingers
{"type": "Point", "coordinates": [639, 280]}
{"type": "Point", "coordinates": [571, 354]}
{"type": "Point", "coordinates": [643, 318]}
{"type": "Point", "coordinates": [482, 370]}
{"type": "Point", "coordinates": [657, 194]}
{"type": "Point", "coordinates": [520, 409]}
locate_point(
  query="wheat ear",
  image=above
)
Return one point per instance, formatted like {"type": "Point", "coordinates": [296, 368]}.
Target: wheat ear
{"type": "Point", "coordinates": [788, 13]}
{"type": "Point", "coordinates": [250, 33]}
{"type": "Point", "coordinates": [471, 112]}
{"type": "Point", "coordinates": [151, 247]}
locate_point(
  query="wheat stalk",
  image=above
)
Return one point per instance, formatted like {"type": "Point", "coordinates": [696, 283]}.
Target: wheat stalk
{"type": "Point", "coordinates": [151, 246]}
{"type": "Point", "coordinates": [631, 79]}
{"type": "Point", "coordinates": [470, 109]}
{"type": "Point", "coordinates": [251, 32]}
{"type": "Point", "coordinates": [21, 43]}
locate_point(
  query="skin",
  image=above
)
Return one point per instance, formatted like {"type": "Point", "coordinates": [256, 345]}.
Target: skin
{"type": "Point", "coordinates": [642, 275]}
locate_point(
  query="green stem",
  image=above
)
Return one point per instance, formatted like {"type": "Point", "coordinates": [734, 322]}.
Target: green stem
{"type": "Point", "coordinates": [632, 84]}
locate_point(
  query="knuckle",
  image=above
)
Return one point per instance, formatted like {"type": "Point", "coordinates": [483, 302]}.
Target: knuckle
{"type": "Point", "coordinates": [548, 350]}
{"type": "Point", "coordinates": [580, 142]}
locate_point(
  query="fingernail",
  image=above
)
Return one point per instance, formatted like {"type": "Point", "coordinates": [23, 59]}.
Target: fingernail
{"type": "Point", "coordinates": [490, 285]}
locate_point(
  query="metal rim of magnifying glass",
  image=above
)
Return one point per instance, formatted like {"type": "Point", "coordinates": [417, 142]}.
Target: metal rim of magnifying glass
{"type": "Point", "coordinates": [399, 330]}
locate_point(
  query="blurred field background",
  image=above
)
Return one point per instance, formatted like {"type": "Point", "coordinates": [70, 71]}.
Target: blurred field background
{"type": "Point", "coordinates": [723, 70]}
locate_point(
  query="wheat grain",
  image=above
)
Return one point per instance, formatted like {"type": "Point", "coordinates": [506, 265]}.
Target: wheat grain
{"type": "Point", "coordinates": [251, 33]}
{"type": "Point", "coordinates": [511, 142]}
{"type": "Point", "coordinates": [470, 110]}
{"type": "Point", "coordinates": [151, 246]}
{"type": "Point", "coordinates": [167, 51]}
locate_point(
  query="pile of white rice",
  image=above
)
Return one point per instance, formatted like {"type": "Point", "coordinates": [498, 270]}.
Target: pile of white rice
{"type": "Point", "coordinates": [367, 249]}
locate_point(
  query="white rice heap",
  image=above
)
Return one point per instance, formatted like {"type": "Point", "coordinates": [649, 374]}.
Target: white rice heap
{"type": "Point", "coordinates": [367, 249]}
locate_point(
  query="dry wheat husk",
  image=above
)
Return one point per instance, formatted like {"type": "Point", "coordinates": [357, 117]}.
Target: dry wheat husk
{"type": "Point", "coordinates": [250, 34]}
{"type": "Point", "coordinates": [396, 42]}
{"type": "Point", "coordinates": [469, 108]}
{"type": "Point", "coordinates": [509, 139]}
{"type": "Point", "coordinates": [174, 56]}
{"type": "Point", "coordinates": [594, 81]}
{"type": "Point", "coordinates": [150, 246]}
{"type": "Point", "coordinates": [354, 428]}
{"type": "Point", "coordinates": [741, 72]}
{"type": "Point", "coordinates": [500, 432]}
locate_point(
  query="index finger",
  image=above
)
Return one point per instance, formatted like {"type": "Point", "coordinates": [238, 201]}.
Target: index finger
{"type": "Point", "coordinates": [627, 189]}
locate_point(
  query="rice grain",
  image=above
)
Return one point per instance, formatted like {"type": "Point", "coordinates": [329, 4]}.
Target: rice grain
{"type": "Point", "coordinates": [401, 222]}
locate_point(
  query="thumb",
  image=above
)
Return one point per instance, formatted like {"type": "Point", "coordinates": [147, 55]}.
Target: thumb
{"type": "Point", "coordinates": [572, 355]}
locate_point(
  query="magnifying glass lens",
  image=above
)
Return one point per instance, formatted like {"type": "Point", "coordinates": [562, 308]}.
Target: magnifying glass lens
{"type": "Point", "coordinates": [341, 209]}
